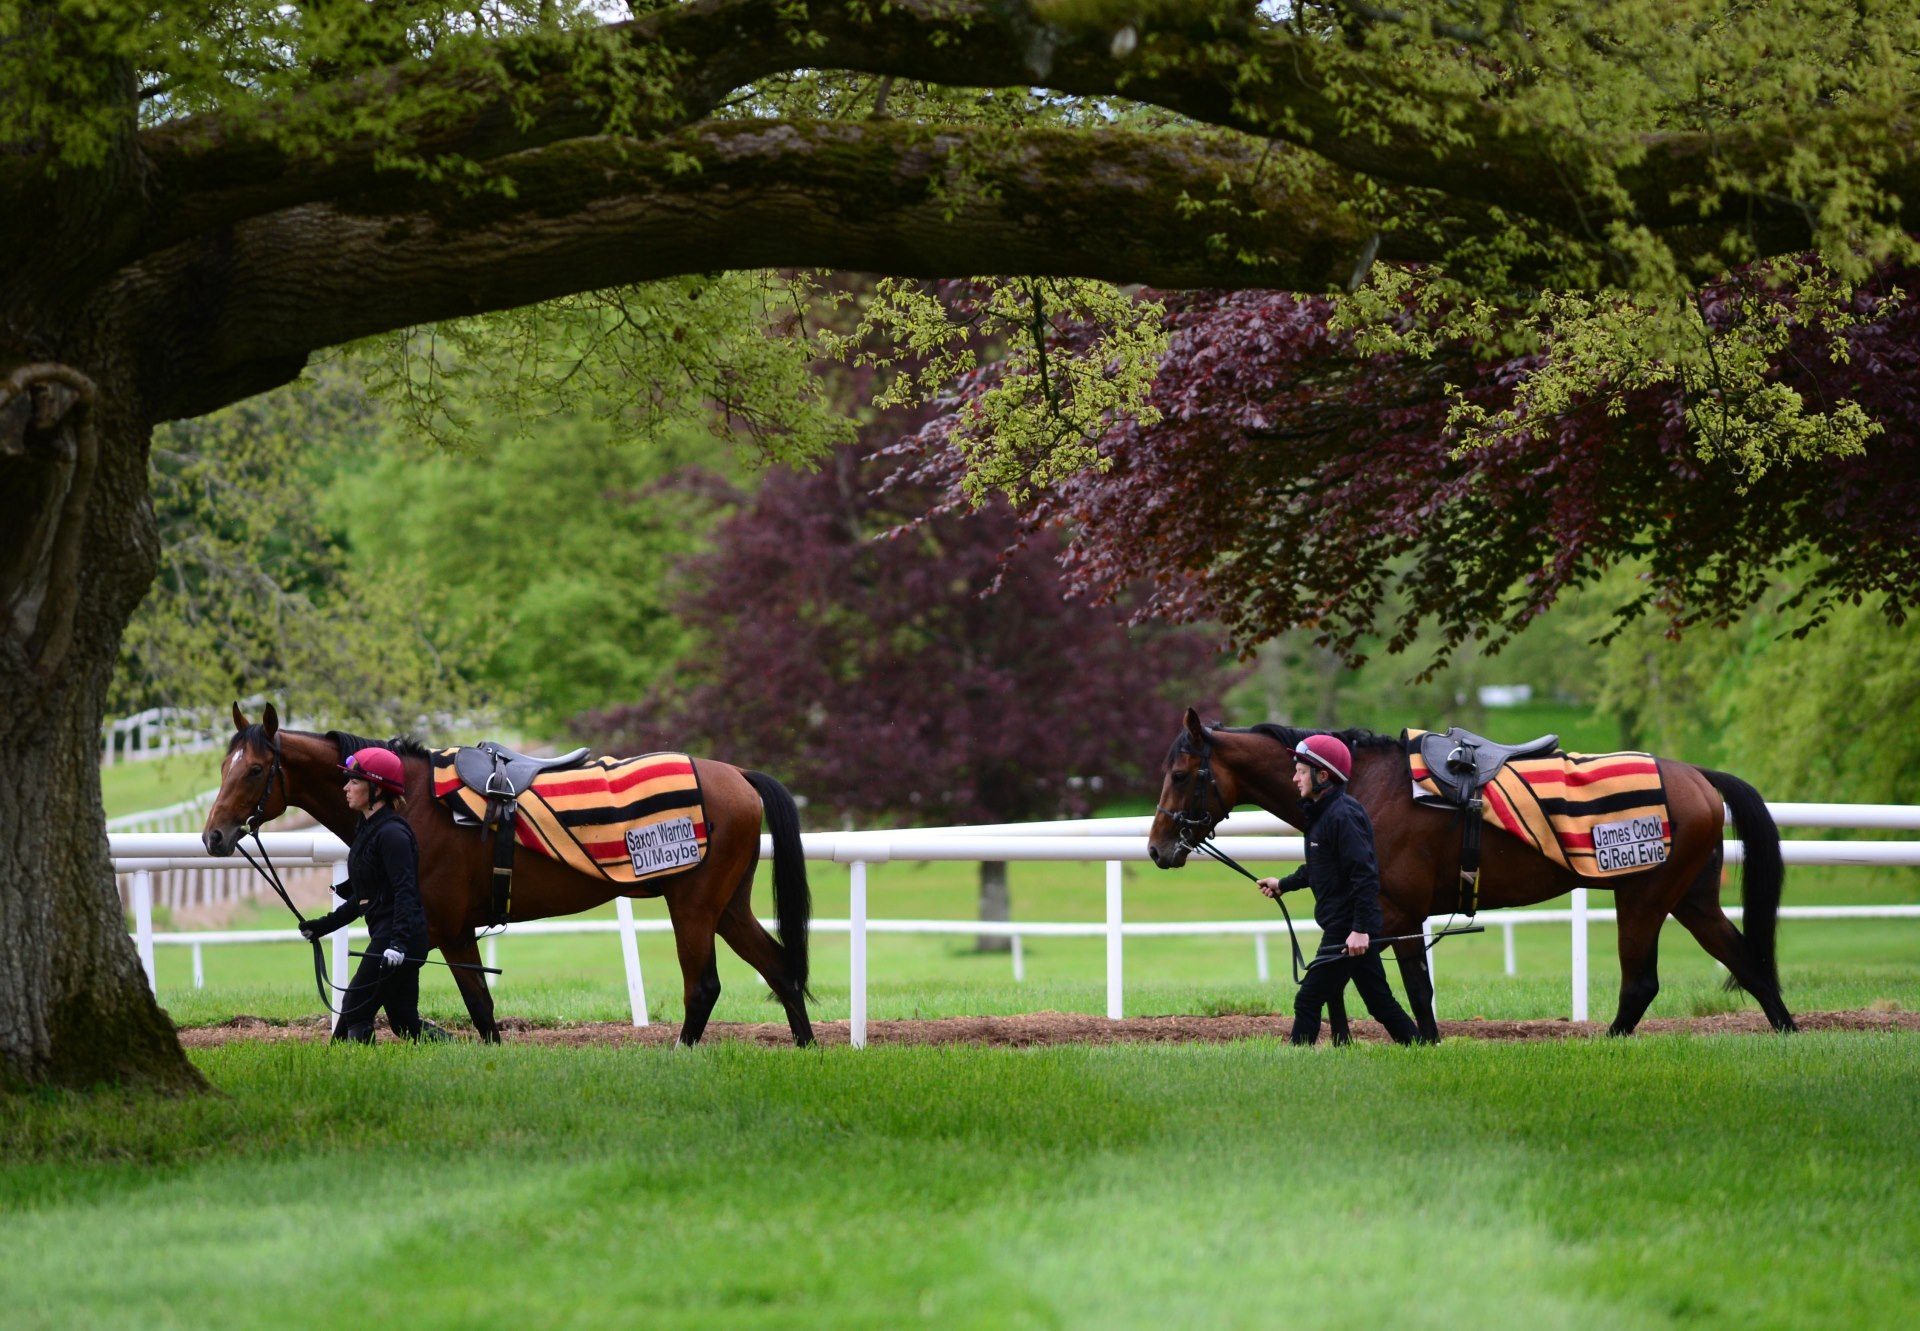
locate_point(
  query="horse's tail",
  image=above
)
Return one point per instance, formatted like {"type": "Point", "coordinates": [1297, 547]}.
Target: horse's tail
{"type": "Point", "coordinates": [1764, 875]}
{"type": "Point", "coordinates": [792, 897]}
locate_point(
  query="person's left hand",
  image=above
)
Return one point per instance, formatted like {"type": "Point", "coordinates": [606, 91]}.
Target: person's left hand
{"type": "Point", "coordinates": [1357, 944]}
{"type": "Point", "coordinates": [393, 956]}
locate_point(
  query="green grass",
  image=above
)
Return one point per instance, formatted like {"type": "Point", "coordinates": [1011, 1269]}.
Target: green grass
{"type": "Point", "coordinates": [1740, 1182]}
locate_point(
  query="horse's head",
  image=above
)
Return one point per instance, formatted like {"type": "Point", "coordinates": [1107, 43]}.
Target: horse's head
{"type": "Point", "coordinates": [1195, 794]}
{"type": "Point", "coordinates": [253, 783]}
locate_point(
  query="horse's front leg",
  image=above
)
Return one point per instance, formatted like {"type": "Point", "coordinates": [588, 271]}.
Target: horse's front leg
{"type": "Point", "coordinates": [1417, 980]}
{"type": "Point", "coordinates": [464, 952]}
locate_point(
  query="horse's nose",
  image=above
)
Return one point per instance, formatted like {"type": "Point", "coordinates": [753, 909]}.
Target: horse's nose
{"type": "Point", "coordinates": [1153, 853]}
{"type": "Point", "coordinates": [211, 838]}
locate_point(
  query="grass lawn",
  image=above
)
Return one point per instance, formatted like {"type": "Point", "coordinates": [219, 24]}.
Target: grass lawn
{"type": "Point", "coordinates": [136, 787]}
{"type": "Point", "coordinates": [1738, 1182]}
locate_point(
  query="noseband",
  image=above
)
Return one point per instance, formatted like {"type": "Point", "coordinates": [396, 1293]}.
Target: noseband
{"type": "Point", "coordinates": [1195, 823]}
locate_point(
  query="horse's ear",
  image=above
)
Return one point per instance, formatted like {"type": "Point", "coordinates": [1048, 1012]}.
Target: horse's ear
{"type": "Point", "coordinates": [239, 717]}
{"type": "Point", "coordinates": [1194, 728]}
{"type": "Point", "coordinates": [270, 722]}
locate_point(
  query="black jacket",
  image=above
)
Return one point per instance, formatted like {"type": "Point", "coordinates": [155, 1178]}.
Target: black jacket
{"type": "Point", "coordinates": [1340, 868]}
{"type": "Point", "coordinates": [383, 883]}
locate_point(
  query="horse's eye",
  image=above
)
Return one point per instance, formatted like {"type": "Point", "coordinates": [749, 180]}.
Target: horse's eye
{"type": "Point", "coordinates": [256, 769]}
{"type": "Point", "coordinates": [1179, 777]}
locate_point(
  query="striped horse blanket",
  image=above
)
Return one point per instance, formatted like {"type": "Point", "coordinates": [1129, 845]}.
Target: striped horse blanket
{"type": "Point", "coordinates": [1597, 814]}
{"type": "Point", "coordinates": [623, 819]}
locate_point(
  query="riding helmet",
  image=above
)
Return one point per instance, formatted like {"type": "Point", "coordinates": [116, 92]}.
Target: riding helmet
{"type": "Point", "coordinates": [377, 767]}
{"type": "Point", "coordinates": [1327, 752]}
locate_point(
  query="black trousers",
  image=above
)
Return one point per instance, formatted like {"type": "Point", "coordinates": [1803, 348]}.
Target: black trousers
{"type": "Point", "coordinates": [376, 985]}
{"type": "Point", "coordinates": [1328, 976]}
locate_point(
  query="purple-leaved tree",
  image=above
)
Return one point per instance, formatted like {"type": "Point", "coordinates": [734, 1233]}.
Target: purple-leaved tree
{"type": "Point", "coordinates": [922, 673]}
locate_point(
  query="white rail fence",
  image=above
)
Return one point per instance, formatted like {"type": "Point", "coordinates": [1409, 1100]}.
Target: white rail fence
{"type": "Point", "coordinates": [1112, 842]}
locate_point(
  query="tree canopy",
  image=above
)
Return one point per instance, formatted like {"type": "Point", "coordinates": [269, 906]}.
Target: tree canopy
{"type": "Point", "coordinates": [1282, 475]}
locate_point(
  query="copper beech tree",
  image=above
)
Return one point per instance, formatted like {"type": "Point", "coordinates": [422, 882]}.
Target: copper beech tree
{"type": "Point", "coordinates": [1290, 479]}
{"type": "Point", "coordinates": [196, 197]}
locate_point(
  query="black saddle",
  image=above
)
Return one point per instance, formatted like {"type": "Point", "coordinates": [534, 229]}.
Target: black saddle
{"type": "Point", "coordinates": [1462, 762]}
{"type": "Point", "coordinates": [501, 774]}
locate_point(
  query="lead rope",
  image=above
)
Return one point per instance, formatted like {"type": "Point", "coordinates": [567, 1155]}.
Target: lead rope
{"type": "Point", "coordinates": [321, 984]}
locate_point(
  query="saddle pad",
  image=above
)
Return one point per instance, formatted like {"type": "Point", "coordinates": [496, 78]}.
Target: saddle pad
{"type": "Point", "coordinates": [1598, 814]}
{"type": "Point", "coordinates": [622, 819]}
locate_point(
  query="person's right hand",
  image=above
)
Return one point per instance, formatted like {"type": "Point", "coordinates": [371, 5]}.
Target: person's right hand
{"type": "Point", "coordinates": [1270, 888]}
{"type": "Point", "coordinates": [311, 931]}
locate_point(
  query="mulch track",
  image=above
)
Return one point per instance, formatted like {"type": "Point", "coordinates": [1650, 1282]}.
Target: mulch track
{"type": "Point", "coordinates": [1054, 1028]}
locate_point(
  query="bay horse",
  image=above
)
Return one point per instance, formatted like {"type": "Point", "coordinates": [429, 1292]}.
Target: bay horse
{"type": "Point", "coordinates": [267, 769]}
{"type": "Point", "coordinates": [1211, 769]}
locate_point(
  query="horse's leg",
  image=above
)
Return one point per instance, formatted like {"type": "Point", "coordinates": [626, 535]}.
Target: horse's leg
{"type": "Point", "coordinates": [693, 939]}
{"type": "Point", "coordinates": [464, 951]}
{"type": "Point", "coordinates": [1641, 912]}
{"type": "Point", "coordinates": [1699, 910]}
{"type": "Point", "coordinates": [1418, 982]}
{"type": "Point", "coordinates": [759, 949]}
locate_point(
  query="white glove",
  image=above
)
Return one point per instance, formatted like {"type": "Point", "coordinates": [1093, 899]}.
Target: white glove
{"type": "Point", "coordinates": [393, 956]}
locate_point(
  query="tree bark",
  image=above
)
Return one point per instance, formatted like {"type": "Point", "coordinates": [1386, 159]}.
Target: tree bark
{"type": "Point", "coordinates": [75, 1008]}
{"type": "Point", "coordinates": [996, 906]}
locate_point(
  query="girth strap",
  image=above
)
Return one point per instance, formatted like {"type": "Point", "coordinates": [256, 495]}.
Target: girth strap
{"type": "Point", "coordinates": [1470, 814]}
{"type": "Point", "coordinates": [500, 820]}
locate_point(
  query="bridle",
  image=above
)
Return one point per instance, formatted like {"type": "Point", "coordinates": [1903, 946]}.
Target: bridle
{"type": "Point", "coordinates": [1194, 824]}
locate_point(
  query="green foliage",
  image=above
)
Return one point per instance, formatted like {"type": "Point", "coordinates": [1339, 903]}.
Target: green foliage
{"type": "Point", "coordinates": [732, 350]}
{"type": "Point", "coordinates": [256, 593]}
{"type": "Point", "coordinates": [551, 546]}
{"type": "Point", "coordinates": [1720, 348]}
{"type": "Point", "coordinates": [1050, 400]}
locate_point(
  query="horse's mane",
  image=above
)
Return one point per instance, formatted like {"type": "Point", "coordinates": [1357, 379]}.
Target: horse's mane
{"type": "Point", "coordinates": [1292, 735]}
{"type": "Point", "coordinates": [1289, 736]}
{"type": "Point", "coordinates": [407, 746]}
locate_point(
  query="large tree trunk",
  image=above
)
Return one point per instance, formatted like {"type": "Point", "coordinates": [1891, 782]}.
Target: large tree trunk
{"type": "Point", "coordinates": [995, 906]}
{"type": "Point", "coordinates": [77, 550]}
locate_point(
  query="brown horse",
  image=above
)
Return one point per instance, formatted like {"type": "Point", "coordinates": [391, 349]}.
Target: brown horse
{"type": "Point", "coordinates": [267, 769]}
{"type": "Point", "coordinates": [1209, 771]}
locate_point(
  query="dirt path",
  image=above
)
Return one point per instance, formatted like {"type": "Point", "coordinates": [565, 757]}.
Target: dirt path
{"type": "Point", "coordinates": [1050, 1028]}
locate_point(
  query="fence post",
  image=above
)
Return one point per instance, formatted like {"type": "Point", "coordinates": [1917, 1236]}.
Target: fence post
{"type": "Point", "coordinates": [143, 924]}
{"type": "Point", "coordinates": [1115, 1003]}
{"type": "Point", "coordinates": [1261, 966]}
{"type": "Point", "coordinates": [857, 938]}
{"type": "Point", "coordinates": [1019, 961]}
{"type": "Point", "coordinates": [493, 956]}
{"type": "Point", "coordinates": [340, 942]}
{"type": "Point", "coordinates": [199, 975]}
{"type": "Point", "coordinates": [1507, 929]}
{"type": "Point", "coordinates": [1579, 954]}
{"type": "Point", "coordinates": [630, 953]}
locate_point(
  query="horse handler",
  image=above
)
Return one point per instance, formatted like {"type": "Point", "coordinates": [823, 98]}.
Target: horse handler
{"type": "Point", "coordinates": [383, 883]}
{"type": "Point", "coordinates": [1342, 872]}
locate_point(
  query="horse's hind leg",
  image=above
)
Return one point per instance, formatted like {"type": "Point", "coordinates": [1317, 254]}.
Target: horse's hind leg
{"type": "Point", "coordinates": [1700, 911]}
{"type": "Point", "coordinates": [1418, 982]}
{"type": "Point", "coordinates": [693, 939]}
{"type": "Point", "coordinates": [759, 949]}
{"type": "Point", "coordinates": [464, 952]}
{"type": "Point", "coordinates": [1641, 913]}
